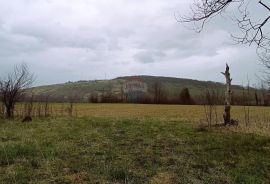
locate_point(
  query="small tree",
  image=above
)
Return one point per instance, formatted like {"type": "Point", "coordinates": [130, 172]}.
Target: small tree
{"type": "Point", "coordinates": [159, 93]}
{"type": "Point", "coordinates": [93, 98]}
{"type": "Point", "coordinates": [1, 110]}
{"type": "Point", "coordinates": [71, 99]}
{"type": "Point", "coordinates": [13, 87]}
{"type": "Point", "coordinates": [28, 106]}
{"type": "Point", "coordinates": [185, 97]}
{"type": "Point", "coordinates": [246, 103]}
{"type": "Point", "coordinates": [257, 100]}
{"type": "Point", "coordinates": [210, 106]}
{"type": "Point", "coordinates": [265, 94]}
{"type": "Point", "coordinates": [46, 105]}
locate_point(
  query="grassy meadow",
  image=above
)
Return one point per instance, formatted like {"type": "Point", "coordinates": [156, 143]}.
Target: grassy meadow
{"type": "Point", "coordinates": [130, 143]}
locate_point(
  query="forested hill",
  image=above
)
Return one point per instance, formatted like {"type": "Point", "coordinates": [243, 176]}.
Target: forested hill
{"type": "Point", "coordinates": [170, 86]}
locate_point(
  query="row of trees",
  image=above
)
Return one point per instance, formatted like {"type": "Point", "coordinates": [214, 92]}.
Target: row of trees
{"type": "Point", "coordinates": [159, 95]}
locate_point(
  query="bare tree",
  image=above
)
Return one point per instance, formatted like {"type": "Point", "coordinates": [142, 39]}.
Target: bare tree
{"type": "Point", "coordinates": [13, 87]}
{"type": "Point", "coordinates": [93, 98]}
{"type": "Point", "coordinates": [228, 96]}
{"type": "Point", "coordinates": [71, 99]}
{"type": "Point", "coordinates": [265, 95]}
{"type": "Point", "coordinates": [28, 106]}
{"type": "Point", "coordinates": [246, 103]}
{"type": "Point", "coordinates": [204, 10]}
{"type": "Point", "coordinates": [210, 106]}
{"type": "Point", "coordinates": [46, 105]}
{"type": "Point", "coordinates": [257, 100]}
{"type": "Point", "coordinates": [185, 97]}
{"type": "Point", "coordinates": [264, 57]}
{"type": "Point", "coordinates": [2, 108]}
{"type": "Point", "coordinates": [158, 92]}
{"type": "Point", "coordinates": [252, 28]}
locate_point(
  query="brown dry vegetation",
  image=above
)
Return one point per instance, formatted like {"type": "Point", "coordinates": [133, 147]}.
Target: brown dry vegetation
{"type": "Point", "coordinates": [259, 117]}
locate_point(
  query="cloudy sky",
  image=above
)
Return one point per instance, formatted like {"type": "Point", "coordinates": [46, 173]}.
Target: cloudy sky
{"type": "Point", "coordinates": [70, 40]}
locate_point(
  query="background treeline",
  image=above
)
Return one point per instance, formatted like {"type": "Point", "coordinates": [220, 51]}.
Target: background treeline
{"type": "Point", "coordinates": [160, 90]}
{"type": "Point", "coordinates": [159, 95]}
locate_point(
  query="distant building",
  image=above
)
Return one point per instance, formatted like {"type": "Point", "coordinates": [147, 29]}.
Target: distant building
{"type": "Point", "coordinates": [134, 89]}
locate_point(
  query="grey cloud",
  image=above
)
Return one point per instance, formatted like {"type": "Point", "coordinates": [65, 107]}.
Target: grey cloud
{"type": "Point", "coordinates": [59, 36]}
{"type": "Point", "coordinates": [179, 43]}
{"type": "Point", "coordinates": [149, 56]}
{"type": "Point", "coordinates": [11, 44]}
{"type": "Point", "coordinates": [72, 40]}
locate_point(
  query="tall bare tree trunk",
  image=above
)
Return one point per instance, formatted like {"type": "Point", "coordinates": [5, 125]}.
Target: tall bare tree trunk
{"type": "Point", "coordinates": [9, 111]}
{"type": "Point", "coordinates": [228, 96]}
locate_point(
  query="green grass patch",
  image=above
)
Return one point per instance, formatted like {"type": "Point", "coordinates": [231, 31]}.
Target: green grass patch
{"type": "Point", "coordinates": [137, 150]}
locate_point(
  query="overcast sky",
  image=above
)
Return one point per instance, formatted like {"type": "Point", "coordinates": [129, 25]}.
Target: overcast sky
{"type": "Point", "coordinates": [70, 40]}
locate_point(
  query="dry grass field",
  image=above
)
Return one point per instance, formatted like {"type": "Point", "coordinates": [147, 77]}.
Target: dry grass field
{"type": "Point", "coordinates": [190, 112]}
{"type": "Point", "coordinates": [259, 117]}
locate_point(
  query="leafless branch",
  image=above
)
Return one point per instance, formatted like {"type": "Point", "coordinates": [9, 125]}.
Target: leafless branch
{"type": "Point", "coordinates": [203, 10]}
{"type": "Point", "coordinates": [251, 31]}
{"type": "Point", "coordinates": [12, 88]}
